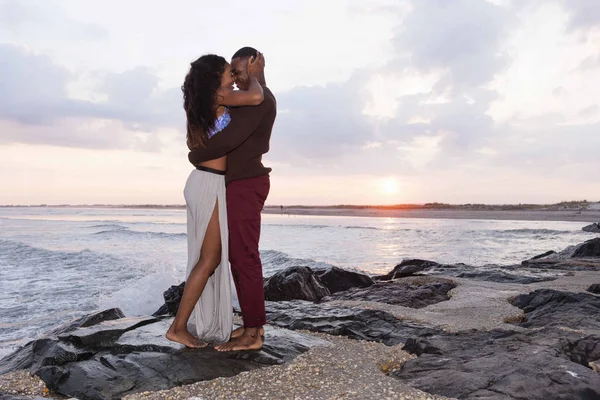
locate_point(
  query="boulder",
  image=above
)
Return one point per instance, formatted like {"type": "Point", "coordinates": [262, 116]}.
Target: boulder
{"type": "Point", "coordinates": [338, 279]}
{"type": "Point", "coordinates": [594, 228]}
{"type": "Point", "coordinates": [408, 268]}
{"type": "Point", "coordinates": [547, 307]}
{"type": "Point", "coordinates": [590, 248]}
{"type": "Point", "coordinates": [295, 283]}
{"type": "Point", "coordinates": [594, 288]}
{"type": "Point", "coordinates": [407, 293]}
{"type": "Point", "coordinates": [172, 298]}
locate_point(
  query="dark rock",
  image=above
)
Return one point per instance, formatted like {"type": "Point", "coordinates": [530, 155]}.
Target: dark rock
{"type": "Point", "coordinates": [408, 268]}
{"type": "Point", "coordinates": [172, 298]}
{"type": "Point", "coordinates": [547, 307]}
{"type": "Point", "coordinates": [543, 255]}
{"type": "Point", "coordinates": [412, 294]}
{"type": "Point", "coordinates": [359, 324]}
{"type": "Point", "coordinates": [116, 358]}
{"type": "Point", "coordinates": [295, 283]}
{"type": "Point", "coordinates": [338, 279]}
{"type": "Point", "coordinates": [504, 277]}
{"type": "Point", "coordinates": [89, 320]}
{"type": "Point", "coordinates": [23, 357]}
{"type": "Point", "coordinates": [594, 228]}
{"type": "Point", "coordinates": [105, 333]}
{"type": "Point", "coordinates": [590, 248]}
{"type": "Point", "coordinates": [503, 364]}
{"type": "Point", "coordinates": [595, 288]}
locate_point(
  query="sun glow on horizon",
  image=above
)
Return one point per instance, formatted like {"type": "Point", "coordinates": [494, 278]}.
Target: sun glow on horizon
{"type": "Point", "coordinates": [389, 186]}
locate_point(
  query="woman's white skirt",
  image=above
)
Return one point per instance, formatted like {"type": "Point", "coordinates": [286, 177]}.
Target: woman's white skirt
{"type": "Point", "coordinates": [212, 318]}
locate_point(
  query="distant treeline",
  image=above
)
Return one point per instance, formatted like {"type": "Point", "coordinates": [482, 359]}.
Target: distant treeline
{"type": "Point", "coordinates": [573, 204]}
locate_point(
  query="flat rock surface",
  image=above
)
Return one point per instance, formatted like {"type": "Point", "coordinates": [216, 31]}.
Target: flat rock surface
{"type": "Point", "coordinates": [413, 293]}
{"type": "Point", "coordinates": [501, 364]}
{"type": "Point", "coordinates": [115, 358]}
{"type": "Point", "coordinates": [359, 324]}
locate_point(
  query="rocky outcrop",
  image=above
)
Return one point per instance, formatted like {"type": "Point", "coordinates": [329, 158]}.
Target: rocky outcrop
{"type": "Point", "coordinates": [546, 307]}
{"type": "Point", "coordinates": [594, 228]}
{"type": "Point", "coordinates": [355, 323]}
{"type": "Point", "coordinates": [338, 280]}
{"type": "Point", "coordinates": [594, 288]}
{"type": "Point", "coordinates": [295, 283]}
{"type": "Point", "coordinates": [500, 364]}
{"type": "Point", "coordinates": [408, 268]}
{"type": "Point", "coordinates": [503, 277]}
{"type": "Point", "coordinates": [172, 298]}
{"type": "Point", "coordinates": [590, 248]}
{"type": "Point", "coordinates": [408, 292]}
{"type": "Point", "coordinates": [127, 355]}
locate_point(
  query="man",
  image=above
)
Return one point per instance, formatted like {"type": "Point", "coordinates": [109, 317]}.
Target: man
{"type": "Point", "coordinates": [244, 141]}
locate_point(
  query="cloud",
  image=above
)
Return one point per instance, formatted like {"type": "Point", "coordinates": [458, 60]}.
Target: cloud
{"type": "Point", "coordinates": [26, 18]}
{"type": "Point", "coordinates": [462, 37]}
{"type": "Point", "coordinates": [34, 92]}
{"type": "Point", "coordinates": [584, 14]}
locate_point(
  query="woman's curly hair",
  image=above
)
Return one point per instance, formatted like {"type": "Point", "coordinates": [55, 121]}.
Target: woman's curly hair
{"type": "Point", "coordinates": [200, 97]}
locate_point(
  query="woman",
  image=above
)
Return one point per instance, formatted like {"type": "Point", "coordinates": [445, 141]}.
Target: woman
{"type": "Point", "coordinates": [206, 300]}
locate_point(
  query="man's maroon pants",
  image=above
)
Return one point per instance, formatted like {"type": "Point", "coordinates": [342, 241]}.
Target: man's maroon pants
{"type": "Point", "coordinates": [245, 201]}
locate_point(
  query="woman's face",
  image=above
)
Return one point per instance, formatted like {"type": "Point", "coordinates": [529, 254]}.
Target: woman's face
{"type": "Point", "coordinates": [227, 78]}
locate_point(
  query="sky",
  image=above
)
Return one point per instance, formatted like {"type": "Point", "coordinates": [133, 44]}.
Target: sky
{"type": "Point", "coordinates": [379, 102]}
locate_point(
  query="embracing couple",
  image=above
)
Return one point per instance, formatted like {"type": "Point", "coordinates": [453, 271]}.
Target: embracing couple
{"type": "Point", "coordinates": [228, 131]}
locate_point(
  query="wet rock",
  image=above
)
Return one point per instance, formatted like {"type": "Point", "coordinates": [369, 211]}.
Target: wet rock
{"type": "Point", "coordinates": [595, 288]}
{"type": "Point", "coordinates": [106, 332]}
{"type": "Point", "coordinates": [501, 364]}
{"type": "Point", "coordinates": [408, 293]}
{"type": "Point", "coordinates": [504, 277]}
{"type": "Point", "coordinates": [590, 248]}
{"type": "Point", "coordinates": [24, 357]}
{"type": "Point", "coordinates": [338, 279]}
{"type": "Point", "coordinates": [359, 324]}
{"type": "Point", "coordinates": [594, 228]}
{"type": "Point", "coordinates": [124, 356]}
{"type": "Point", "coordinates": [408, 268]}
{"type": "Point", "coordinates": [172, 298]}
{"type": "Point", "coordinates": [547, 307]}
{"type": "Point", "coordinates": [295, 283]}
{"type": "Point", "coordinates": [89, 320]}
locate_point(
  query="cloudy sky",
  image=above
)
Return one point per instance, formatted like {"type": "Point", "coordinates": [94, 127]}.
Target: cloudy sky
{"type": "Point", "coordinates": [380, 102]}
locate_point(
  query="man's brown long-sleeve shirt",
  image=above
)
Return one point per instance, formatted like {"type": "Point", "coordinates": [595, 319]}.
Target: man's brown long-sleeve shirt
{"type": "Point", "coordinates": [244, 140]}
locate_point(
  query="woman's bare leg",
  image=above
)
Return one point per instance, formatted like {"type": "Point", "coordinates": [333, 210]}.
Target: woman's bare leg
{"type": "Point", "coordinates": [210, 257]}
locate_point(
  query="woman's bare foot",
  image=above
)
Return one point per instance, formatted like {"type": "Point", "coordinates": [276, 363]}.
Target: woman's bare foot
{"type": "Point", "coordinates": [237, 332]}
{"type": "Point", "coordinates": [185, 338]}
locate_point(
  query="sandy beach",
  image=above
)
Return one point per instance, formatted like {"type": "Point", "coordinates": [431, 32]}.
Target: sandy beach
{"type": "Point", "coordinates": [588, 216]}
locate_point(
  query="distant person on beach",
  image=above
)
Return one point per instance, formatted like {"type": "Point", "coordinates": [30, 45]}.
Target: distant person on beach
{"type": "Point", "coordinates": [244, 141]}
{"type": "Point", "coordinates": [208, 91]}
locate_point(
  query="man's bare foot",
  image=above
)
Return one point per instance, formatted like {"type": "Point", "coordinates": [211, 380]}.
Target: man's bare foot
{"type": "Point", "coordinates": [237, 332]}
{"type": "Point", "coordinates": [243, 342]}
{"type": "Point", "coordinates": [185, 338]}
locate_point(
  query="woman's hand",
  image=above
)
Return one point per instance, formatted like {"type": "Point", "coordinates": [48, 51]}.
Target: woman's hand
{"type": "Point", "coordinates": [256, 65]}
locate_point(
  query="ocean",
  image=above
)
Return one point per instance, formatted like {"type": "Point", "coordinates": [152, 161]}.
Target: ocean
{"type": "Point", "coordinates": [60, 263]}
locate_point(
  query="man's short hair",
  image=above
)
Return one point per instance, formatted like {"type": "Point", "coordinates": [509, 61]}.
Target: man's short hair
{"type": "Point", "coordinates": [245, 52]}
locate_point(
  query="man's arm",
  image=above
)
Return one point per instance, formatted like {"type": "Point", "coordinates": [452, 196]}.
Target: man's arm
{"type": "Point", "coordinates": [244, 121]}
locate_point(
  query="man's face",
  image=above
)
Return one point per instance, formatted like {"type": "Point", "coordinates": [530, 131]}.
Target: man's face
{"type": "Point", "coordinates": [239, 68]}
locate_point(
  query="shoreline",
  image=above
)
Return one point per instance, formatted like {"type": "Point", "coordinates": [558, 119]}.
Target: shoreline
{"type": "Point", "coordinates": [589, 216]}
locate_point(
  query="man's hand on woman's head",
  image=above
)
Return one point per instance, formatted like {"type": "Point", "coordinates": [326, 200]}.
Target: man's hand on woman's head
{"type": "Point", "coordinates": [256, 65]}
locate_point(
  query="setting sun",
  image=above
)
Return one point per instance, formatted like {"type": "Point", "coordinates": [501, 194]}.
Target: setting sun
{"type": "Point", "coordinates": [389, 186]}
